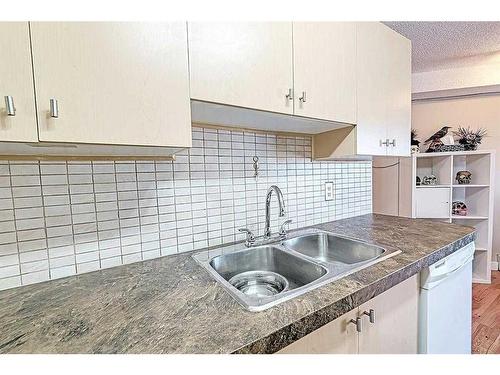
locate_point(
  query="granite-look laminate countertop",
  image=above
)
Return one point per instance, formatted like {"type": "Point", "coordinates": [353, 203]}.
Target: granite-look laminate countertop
{"type": "Point", "coordinates": [172, 304]}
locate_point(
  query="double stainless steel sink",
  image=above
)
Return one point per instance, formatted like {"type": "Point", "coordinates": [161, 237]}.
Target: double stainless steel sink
{"type": "Point", "coordinates": [263, 276]}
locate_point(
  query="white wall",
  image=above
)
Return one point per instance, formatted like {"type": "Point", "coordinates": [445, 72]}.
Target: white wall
{"type": "Point", "coordinates": [477, 111]}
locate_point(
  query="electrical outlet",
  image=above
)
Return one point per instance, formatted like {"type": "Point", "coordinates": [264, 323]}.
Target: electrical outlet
{"type": "Point", "coordinates": [328, 191]}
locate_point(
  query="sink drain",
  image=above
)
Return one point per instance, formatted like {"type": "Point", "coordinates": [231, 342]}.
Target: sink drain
{"type": "Point", "coordinates": [259, 283]}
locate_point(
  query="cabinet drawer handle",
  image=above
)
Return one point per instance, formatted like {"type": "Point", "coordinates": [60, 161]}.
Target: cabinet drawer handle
{"type": "Point", "coordinates": [54, 108]}
{"type": "Point", "coordinates": [10, 109]}
{"type": "Point", "coordinates": [303, 97]}
{"type": "Point", "coordinates": [370, 314]}
{"type": "Point", "coordinates": [357, 323]}
{"type": "Point", "coordinates": [393, 143]}
{"type": "Point", "coordinates": [386, 143]}
{"type": "Point", "coordinates": [289, 96]}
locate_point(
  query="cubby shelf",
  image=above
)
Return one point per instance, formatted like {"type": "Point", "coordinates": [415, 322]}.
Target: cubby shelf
{"type": "Point", "coordinates": [469, 217]}
{"type": "Point", "coordinates": [432, 186]}
{"type": "Point", "coordinates": [471, 186]}
{"type": "Point", "coordinates": [435, 201]}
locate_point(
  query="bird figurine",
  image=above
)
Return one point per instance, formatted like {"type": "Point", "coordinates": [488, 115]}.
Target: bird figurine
{"type": "Point", "coordinates": [439, 134]}
{"type": "Point", "coordinates": [414, 140]}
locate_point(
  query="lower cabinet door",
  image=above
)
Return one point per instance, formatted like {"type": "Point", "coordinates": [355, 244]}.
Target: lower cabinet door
{"type": "Point", "coordinates": [394, 330]}
{"type": "Point", "coordinates": [432, 202]}
{"type": "Point", "coordinates": [336, 337]}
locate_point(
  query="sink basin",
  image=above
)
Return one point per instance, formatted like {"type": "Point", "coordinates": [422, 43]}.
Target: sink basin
{"type": "Point", "coordinates": [297, 271]}
{"type": "Point", "coordinates": [329, 248]}
{"type": "Point", "coordinates": [261, 277]}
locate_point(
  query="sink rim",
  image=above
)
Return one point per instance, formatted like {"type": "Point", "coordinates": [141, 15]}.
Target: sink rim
{"type": "Point", "coordinates": [333, 273]}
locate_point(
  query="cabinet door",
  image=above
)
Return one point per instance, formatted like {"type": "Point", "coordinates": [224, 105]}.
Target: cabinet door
{"type": "Point", "coordinates": [115, 83]}
{"type": "Point", "coordinates": [16, 81]}
{"type": "Point", "coordinates": [242, 64]}
{"type": "Point", "coordinates": [325, 70]}
{"type": "Point", "coordinates": [399, 103]}
{"type": "Point", "coordinates": [336, 337]}
{"type": "Point", "coordinates": [432, 202]}
{"type": "Point", "coordinates": [396, 321]}
{"type": "Point", "coordinates": [383, 89]}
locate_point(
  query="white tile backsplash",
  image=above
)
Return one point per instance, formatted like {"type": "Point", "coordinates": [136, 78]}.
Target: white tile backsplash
{"type": "Point", "coordinates": [63, 218]}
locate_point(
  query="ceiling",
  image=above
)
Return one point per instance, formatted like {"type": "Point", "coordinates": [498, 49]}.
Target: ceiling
{"type": "Point", "coordinates": [444, 45]}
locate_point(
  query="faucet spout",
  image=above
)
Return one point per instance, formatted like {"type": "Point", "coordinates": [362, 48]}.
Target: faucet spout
{"type": "Point", "coordinates": [281, 203]}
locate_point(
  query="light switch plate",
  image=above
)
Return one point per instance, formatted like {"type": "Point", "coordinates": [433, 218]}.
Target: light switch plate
{"type": "Point", "coordinates": [328, 191]}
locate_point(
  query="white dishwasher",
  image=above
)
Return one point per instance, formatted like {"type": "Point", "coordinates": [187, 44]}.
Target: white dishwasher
{"type": "Point", "coordinates": [445, 307]}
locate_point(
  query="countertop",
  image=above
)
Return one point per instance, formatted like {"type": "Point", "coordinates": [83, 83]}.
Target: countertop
{"type": "Point", "coordinates": [172, 305]}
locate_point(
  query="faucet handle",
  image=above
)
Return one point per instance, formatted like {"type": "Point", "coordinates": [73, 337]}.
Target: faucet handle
{"type": "Point", "coordinates": [282, 231]}
{"type": "Point", "coordinates": [250, 235]}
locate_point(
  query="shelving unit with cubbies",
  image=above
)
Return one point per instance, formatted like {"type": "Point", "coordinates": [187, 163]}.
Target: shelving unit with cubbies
{"type": "Point", "coordinates": [435, 201]}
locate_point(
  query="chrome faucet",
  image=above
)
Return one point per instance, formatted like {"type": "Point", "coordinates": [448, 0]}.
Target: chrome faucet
{"type": "Point", "coordinates": [281, 202]}
{"type": "Point", "coordinates": [252, 239]}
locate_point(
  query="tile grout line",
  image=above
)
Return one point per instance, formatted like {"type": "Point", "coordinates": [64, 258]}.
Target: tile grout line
{"type": "Point", "coordinates": [44, 219]}
{"type": "Point", "coordinates": [139, 209]}
{"type": "Point", "coordinates": [205, 185]}
{"type": "Point", "coordinates": [155, 163]}
{"type": "Point", "coordinates": [15, 224]}
{"type": "Point", "coordinates": [95, 210]}
{"type": "Point", "coordinates": [118, 214]}
{"type": "Point", "coordinates": [75, 264]}
{"type": "Point", "coordinates": [175, 207]}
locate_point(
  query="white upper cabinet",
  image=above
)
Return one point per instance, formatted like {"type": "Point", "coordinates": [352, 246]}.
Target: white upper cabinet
{"type": "Point", "coordinates": [112, 83]}
{"type": "Point", "coordinates": [325, 70]}
{"type": "Point", "coordinates": [399, 97]}
{"type": "Point", "coordinates": [383, 98]}
{"type": "Point", "coordinates": [252, 65]}
{"type": "Point", "coordinates": [131, 84]}
{"type": "Point", "coordinates": [383, 90]}
{"type": "Point", "coordinates": [242, 64]}
{"type": "Point", "coordinates": [350, 80]}
{"type": "Point", "coordinates": [17, 101]}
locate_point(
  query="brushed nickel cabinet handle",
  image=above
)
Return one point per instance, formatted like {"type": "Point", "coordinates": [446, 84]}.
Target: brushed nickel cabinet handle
{"type": "Point", "coordinates": [357, 323]}
{"type": "Point", "coordinates": [386, 143]}
{"type": "Point", "coordinates": [393, 143]}
{"type": "Point", "coordinates": [289, 96]}
{"type": "Point", "coordinates": [303, 97]}
{"type": "Point", "coordinates": [54, 108]}
{"type": "Point", "coordinates": [370, 314]}
{"type": "Point", "coordinates": [10, 109]}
